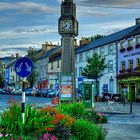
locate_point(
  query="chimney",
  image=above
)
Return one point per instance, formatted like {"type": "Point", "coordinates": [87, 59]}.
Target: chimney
{"type": "Point", "coordinates": [17, 55]}
{"type": "Point", "coordinates": [137, 20]}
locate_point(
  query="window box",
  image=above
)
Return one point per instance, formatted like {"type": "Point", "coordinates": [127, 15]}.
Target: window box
{"type": "Point", "coordinates": [129, 48]}
{"type": "Point", "coordinates": [137, 46]}
{"type": "Point", "coordinates": [129, 70]}
{"type": "Point", "coordinates": [137, 68]}
{"type": "Point", "coordinates": [122, 71]}
{"type": "Point", "coordinates": [122, 49]}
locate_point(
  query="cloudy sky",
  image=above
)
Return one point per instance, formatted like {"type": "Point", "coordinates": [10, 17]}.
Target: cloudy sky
{"type": "Point", "coordinates": [25, 23]}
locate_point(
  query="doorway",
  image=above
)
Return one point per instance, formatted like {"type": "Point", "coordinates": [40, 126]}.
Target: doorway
{"type": "Point", "coordinates": [132, 92]}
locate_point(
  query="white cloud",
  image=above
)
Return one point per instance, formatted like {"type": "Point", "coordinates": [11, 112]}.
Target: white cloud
{"type": "Point", "coordinates": [27, 7]}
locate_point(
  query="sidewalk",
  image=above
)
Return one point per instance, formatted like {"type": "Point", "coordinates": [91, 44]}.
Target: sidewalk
{"type": "Point", "coordinates": [99, 107]}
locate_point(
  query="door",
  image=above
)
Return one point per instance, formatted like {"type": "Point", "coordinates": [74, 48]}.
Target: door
{"type": "Point", "coordinates": [132, 92]}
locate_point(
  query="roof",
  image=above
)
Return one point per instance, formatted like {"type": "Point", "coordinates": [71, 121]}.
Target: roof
{"type": "Point", "coordinates": [10, 63]}
{"type": "Point", "coordinates": [48, 53]}
{"type": "Point", "coordinates": [110, 38]}
{"type": "Point", "coordinates": [56, 58]}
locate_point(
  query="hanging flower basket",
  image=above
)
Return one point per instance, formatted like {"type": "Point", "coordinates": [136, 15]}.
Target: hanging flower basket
{"type": "Point", "coordinates": [122, 71]}
{"type": "Point", "coordinates": [129, 48]}
{"type": "Point", "coordinates": [137, 68]}
{"type": "Point", "coordinates": [129, 70]}
{"type": "Point", "coordinates": [122, 49]}
{"type": "Point", "coordinates": [137, 46]}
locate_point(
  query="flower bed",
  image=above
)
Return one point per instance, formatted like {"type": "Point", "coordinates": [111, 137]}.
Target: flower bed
{"type": "Point", "coordinates": [51, 123]}
{"type": "Point", "coordinates": [137, 46]}
{"type": "Point", "coordinates": [122, 49]}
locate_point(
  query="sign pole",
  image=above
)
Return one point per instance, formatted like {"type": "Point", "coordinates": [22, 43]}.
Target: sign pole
{"type": "Point", "coordinates": [23, 100]}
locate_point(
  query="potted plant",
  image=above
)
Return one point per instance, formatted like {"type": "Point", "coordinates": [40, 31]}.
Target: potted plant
{"type": "Point", "coordinates": [129, 48]}
{"type": "Point", "coordinates": [122, 71]}
{"type": "Point", "coordinates": [122, 49]}
{"type": "Point", "coordinates": [137, 46]}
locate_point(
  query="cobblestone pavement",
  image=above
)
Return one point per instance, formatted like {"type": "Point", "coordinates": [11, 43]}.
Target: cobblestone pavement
{"type": "Point", "coordinates": [122, 125]}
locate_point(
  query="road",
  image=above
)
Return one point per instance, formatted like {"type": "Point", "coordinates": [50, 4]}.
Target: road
{"type": "Point", "coordinates": [34, 100]}
{"type": "Point", "coordinates": [123, 127]}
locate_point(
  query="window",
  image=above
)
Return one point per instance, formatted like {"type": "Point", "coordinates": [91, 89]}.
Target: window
{"type": "Point", "coordinates": [87, 55]}
{"type": "Point", "coordinates": [51, 65]}
{"type": "Point", "coordinates": [76, 60]}
{"type": "Point", "coordinates": [138, 61]}
{"type": "Point", "coordinates": [110, 48]}
{"type": "Point", "coordinates": [130, 42]}
{"type": "Point", "coordinates": [130, 64]}
{"type": "Point", "coordinates": [102, 51]}
{"type": "Point", "coordinates": [110, 65]}
{"type": "Point", "coordinates": [11, 69]}
{"type": "Point", "coordinates": [80, 57]}
{"type": "Point", "coordinates": [138, 40]}
{"type": "Point", "coordinates": [123, 65]}
{"type": "Point", "coordinates": [122, 44]}
{"type": "Point", "coordinates": [58, 64]}
{"type": "Point", "coordinates": [111, 85]}
{"type": "Point", "coordinates": [80, 71]}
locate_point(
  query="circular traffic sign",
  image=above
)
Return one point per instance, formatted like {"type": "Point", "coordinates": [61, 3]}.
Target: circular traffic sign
{"type": "Point", "coordinates": [23, 67]}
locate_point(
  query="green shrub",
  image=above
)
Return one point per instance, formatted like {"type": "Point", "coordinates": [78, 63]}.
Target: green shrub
{"type": "Point", "coordinates": [76, 110]}
{"type": "Point", "coordinates": [35, 121]}
{"type": "Point", "coordinates": [85, 130]}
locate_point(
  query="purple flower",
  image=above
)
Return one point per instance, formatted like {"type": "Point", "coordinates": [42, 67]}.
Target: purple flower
{"type": "Point", "coordinates": [46, 136]}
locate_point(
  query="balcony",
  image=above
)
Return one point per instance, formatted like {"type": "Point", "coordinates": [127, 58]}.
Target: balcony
{"type": "Point", "coordinates": [129, 48]}
{"type": "Point", "coordinates": [122, 49]}
{"type": "Point", "coordinates": [137, 46]}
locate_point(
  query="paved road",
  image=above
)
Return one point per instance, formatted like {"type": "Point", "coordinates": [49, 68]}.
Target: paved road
{"type": "Point", "coordinates": [123, 127]}
{"type": "Point", "coordinates": [34, 100]}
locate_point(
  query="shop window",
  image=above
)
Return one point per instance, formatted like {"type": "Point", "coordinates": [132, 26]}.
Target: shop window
{"type": "Point", "coordinates": [138, 61]}
{"type": "Point", "coordinates": [123, 65]}
{"type": "Point", "coordinates": [75, 72]}
{"type": "Point", "coordinates": [130, 64]}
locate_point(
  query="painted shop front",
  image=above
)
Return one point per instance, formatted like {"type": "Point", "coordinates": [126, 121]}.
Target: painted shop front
{"type": "Point", "coordinates": [129, 68]}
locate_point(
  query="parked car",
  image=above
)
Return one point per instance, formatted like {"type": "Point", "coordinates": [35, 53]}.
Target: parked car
{"type": "Point", "coordinates": [16, 91]}
{"type": "Point", "coordinates": [53, 93]}
{"type": "Point", "coordinates": [2, 91]}
{"type": "Point", "coordinates": [43, 92]}
{"type": "Point", "coordinates": [28, 91]}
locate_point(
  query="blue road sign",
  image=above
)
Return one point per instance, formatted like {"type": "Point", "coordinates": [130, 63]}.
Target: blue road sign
{"type": "Point", "coordinates": [23, 67]}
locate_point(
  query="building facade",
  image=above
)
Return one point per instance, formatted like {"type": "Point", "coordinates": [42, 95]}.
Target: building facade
{"type": "Point", "coordinates": [129, 64]}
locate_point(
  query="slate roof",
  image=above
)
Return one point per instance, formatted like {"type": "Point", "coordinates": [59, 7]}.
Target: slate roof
{"type": "Point", "coordinates": [48, 53]}
{"type": "Point", "coordinates": [110, 38]}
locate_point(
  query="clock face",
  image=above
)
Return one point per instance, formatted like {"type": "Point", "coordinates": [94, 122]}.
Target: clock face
{"type": "Point", "coordinates": [66, 25]}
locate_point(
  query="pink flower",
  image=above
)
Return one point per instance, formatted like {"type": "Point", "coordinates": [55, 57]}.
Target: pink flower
{"type": "Point", "coordinates": [54, 138]}
{"type": "Point", "coordinates": [46, 136]}
{"type": "Point", "coordinates": [12, 139]}
{"type": "Point", "coordinates": [1, 135]}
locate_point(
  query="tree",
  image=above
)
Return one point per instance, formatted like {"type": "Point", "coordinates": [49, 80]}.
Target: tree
{"type": "Point", "coordinates": [34, 73]}
{"type": "Point", "coordinates": [94, 69]}
{"type": "Point", "coordinates": [98, 36]}
{"type": "Point", "coordinates": [1, 80]}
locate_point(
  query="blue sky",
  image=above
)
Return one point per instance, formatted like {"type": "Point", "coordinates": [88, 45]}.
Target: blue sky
{"type": "Point", "coordinates": [25, 23]}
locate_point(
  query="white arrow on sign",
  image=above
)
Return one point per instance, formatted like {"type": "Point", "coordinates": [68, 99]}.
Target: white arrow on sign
{"type": "Point", "coordinates": [18, 69]}
{"type": "Point", "coordinates": [29, 68]}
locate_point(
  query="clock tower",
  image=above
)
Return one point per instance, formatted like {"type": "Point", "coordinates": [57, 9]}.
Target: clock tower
{"type": "Point", "coordinates": [68, 29]}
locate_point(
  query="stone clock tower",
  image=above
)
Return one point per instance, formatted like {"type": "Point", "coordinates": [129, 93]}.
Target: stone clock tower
{"type": "Point", "coordinates": [68, 29]}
